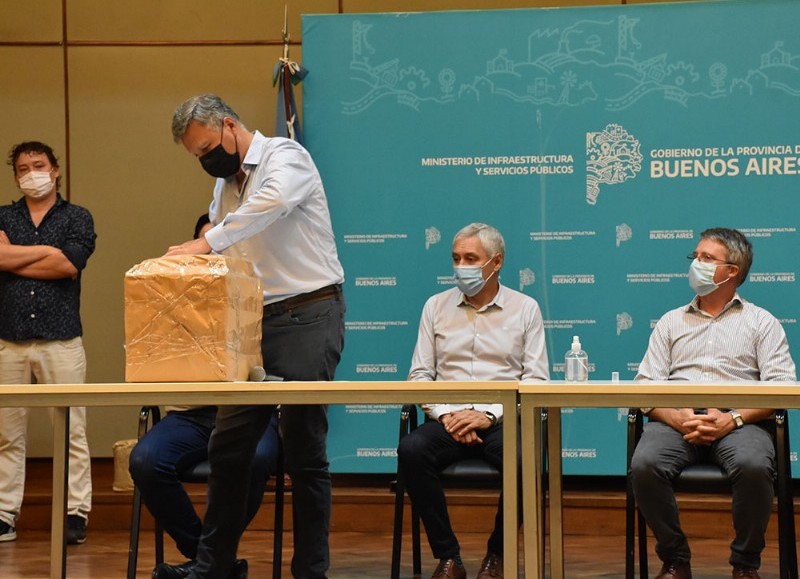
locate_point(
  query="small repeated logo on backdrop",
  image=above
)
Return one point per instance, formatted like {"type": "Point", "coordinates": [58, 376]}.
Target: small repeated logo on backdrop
{"type": "Point", "coordinates": [671, 234]}
{"type": "Point", "coordinates": [374, 325]}
{"type": "Point", "coordinates": [624, 233]}
{"type": "Point", "coordinates": [612, 157]}
{"type": "Point", "coordinates": [385, 281]}
{"type": "Point", "coordinates": [624, 322]}
{"type": "Point", "coordinates": [385, 368]}
{"type": "Point", "coordinates": [371, 238]}
{"type": "Point", "coordinates": [432, 237]}
{"type": "Point", "coordinates": [579, 453]}
{"type": "Point", "coordinates": [622, 414]}
{"type": "Point", "coordinates": [526, 278]}
{"type": "Point", "coordinates": [772, 277]}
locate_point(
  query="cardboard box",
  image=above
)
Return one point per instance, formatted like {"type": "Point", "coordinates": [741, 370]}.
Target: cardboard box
{"type": "Point", "coordinates": [192, 318]}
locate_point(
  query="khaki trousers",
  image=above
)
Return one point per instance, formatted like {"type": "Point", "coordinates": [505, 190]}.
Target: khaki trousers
{"type": "Point", "coordinates": [48, 362]}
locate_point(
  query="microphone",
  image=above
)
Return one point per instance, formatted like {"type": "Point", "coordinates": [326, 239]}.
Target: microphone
{"type": "Point", "coordinates": [258, 374]}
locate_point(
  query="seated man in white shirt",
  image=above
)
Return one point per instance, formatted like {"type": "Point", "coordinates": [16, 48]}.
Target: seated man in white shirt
{"type": "Point", "coordinates": [479, 330]}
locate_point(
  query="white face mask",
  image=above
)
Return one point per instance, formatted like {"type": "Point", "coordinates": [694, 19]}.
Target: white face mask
{"type": "Point", "coordinates": [36, 184]}
{"type": "Point", "coordinates": [701, 277]}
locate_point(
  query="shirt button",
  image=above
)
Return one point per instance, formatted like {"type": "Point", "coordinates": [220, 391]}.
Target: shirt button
{"type": "Point", "coordinates": [33, 315]}
{"type": "Point", "coordinates": [33, 292]}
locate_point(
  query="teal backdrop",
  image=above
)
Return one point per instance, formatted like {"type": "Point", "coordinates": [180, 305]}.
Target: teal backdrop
{"type": "Point", "coordinates": [600, 140]}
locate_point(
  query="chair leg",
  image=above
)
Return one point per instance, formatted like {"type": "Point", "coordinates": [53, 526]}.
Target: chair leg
{"type": "Point", "coordinates": [277, 545]}
{"type": "Point", "coordinates": [159, 537]}
{"type": "Point", "coordinates": [787, 547]}
{"type": "Point", "coordinates": [397, 536]}
{"type": "Point", "coordinates": [415, 542]}
{"type": "Point", "coordinates": [642, 546]}
{"type": "Point", "coordinates": [630, 531]}
{"type": "Point", "coordinates": [545, 485]}
{"type": "Point", "coordinates": [147, 414]}
{"type": "Point", "coordinates": [133, 548]}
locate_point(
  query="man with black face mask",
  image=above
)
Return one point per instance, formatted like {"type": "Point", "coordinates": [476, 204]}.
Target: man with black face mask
{"type": "Point", "coordinates": [270, 208]}
{"type": "Point", "coordinates": [718, 337]}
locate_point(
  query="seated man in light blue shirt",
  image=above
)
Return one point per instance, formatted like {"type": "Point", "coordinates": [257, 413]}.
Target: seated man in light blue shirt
{"type": "Point", "coordinates": [479, 330]}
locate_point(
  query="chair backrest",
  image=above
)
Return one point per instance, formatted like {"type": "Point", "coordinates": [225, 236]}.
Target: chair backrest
{"type": "Point", "coordinates": [196, 473]}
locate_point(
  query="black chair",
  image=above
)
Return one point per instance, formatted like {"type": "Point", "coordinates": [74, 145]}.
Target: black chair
{"type": "Point", "coordinates": [198, 473]}
{"type": "Point", "coordinates": [471, 472]}
{"type": "Point", "coordinates": [705, 477]}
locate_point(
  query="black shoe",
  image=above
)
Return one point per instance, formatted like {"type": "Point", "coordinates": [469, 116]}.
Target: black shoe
{"type": "Point", "coordinates": [76, 530]}
{"type": "Point", "coordinates": [166, 571]}
{"type": "Point", "coordinates": [239, 569]}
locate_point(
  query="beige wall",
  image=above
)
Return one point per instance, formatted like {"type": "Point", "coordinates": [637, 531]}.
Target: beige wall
{"type": "Point", "coordinates": [99, 82]}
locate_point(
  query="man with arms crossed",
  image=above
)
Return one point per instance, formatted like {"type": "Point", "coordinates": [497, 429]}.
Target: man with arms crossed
{"type": "Point", "coordinates": [717, 337]}
{"type": "Point", "coordinates": [270, 208]}
{"type": "Point", "coordinates": [479, 330]}
{"type": "Point", "coordinates": [45, 243]}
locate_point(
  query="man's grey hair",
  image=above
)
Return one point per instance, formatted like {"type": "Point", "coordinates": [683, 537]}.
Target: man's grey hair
{"type": "Point", "coordinates": [491, 239]}
{"type": "Point", "coordinates": [206, 109]}
{"type": "Point", "coordinates": [740, 250]}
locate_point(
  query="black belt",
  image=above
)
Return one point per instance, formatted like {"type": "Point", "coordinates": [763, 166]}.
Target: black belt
{"type": "Point", "coordinates": [326, 293]}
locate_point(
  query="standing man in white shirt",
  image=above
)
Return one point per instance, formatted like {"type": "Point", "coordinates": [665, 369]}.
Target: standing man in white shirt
{"type": "Point", "coordinates": [269, 208]}
{"type": "Point", "coordinates": [717, 337]}
{"type": "Point", "coordinates": [479, 330]}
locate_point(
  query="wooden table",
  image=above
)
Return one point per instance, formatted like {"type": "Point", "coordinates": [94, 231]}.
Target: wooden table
{"type": "Point", "coordinates": [62, 396]}
{"type": "Point", "coordinates": [601, 394]}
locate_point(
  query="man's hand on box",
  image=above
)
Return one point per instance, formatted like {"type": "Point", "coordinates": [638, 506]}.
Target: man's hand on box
{"type": "Point", "coordinates": [193, 247]}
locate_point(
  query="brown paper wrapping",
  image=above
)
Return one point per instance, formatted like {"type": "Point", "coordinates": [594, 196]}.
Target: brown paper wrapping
{"type": "Point", "coordinates": [192, 318]}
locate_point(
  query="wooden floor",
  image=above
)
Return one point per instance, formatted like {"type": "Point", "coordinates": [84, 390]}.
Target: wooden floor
{"type": "Point", "coordinates": [361, 525]}
{"type": "Point", "coordinates": [353, 555]}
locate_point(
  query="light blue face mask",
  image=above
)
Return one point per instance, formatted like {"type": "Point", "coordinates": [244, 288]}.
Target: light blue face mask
{"type": "Point", "coordinates": [469, 278]}
{"type": "Point", "coordinates": [701, 277]}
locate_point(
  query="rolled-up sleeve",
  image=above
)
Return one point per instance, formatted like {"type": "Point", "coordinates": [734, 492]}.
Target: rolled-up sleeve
{"type": "Point", "coordinates": [80, 243]}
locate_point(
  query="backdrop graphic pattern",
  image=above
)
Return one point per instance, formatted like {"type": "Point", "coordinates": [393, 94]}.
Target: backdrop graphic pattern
{"type": "Point", "coordinates": [601, 141]}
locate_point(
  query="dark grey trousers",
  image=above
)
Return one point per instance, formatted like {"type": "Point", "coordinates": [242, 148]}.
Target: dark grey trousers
{"type": "Point", "coordinates": [746, 454]}
{"type": "Point", "coordinates": [305, 345]}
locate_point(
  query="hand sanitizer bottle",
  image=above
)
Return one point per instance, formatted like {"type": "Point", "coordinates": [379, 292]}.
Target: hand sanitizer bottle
{"type": "Point", "coordinates": [576, 363]}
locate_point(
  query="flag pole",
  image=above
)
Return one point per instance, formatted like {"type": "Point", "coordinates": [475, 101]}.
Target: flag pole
{"type": "Point", "coordinates": [287, 74]}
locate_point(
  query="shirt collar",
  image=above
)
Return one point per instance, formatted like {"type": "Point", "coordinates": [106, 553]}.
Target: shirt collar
{"type": "Point", "coordinates": [499, 300]}
{"type": "Point", "coordinates": [20, 204]}
{"type": "Point", "coordinates": [253, 155]}
{"type": "Point", "coordinates": [694, 305]}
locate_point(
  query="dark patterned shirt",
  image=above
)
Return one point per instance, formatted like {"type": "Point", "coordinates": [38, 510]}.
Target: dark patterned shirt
{"type": "Point", "coordinates": [45, 309]}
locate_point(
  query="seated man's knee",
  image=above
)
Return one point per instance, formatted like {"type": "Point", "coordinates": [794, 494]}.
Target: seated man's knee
{"type": "Point", "coordinates": [644, 466]}
{"type": "Point", "coordinates": [411, 451]}
{"type": "Point", "coordinates": [142, 464]}
{"type": "Point", "coordinates": [753, 467]}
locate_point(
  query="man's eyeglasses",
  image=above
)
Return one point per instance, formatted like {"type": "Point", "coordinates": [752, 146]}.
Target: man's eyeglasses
{"type": "Point", "coordinates": [706, 258]}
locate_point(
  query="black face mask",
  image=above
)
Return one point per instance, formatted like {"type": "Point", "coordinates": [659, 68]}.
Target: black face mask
{"type": "Point", "coordinates": [220, 163]}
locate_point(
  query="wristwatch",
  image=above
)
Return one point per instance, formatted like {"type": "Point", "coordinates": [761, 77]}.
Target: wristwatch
{"type": "Point", "coordinates": [492, 418]}
{"type": "Point", "coordinates": [737, 418]}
